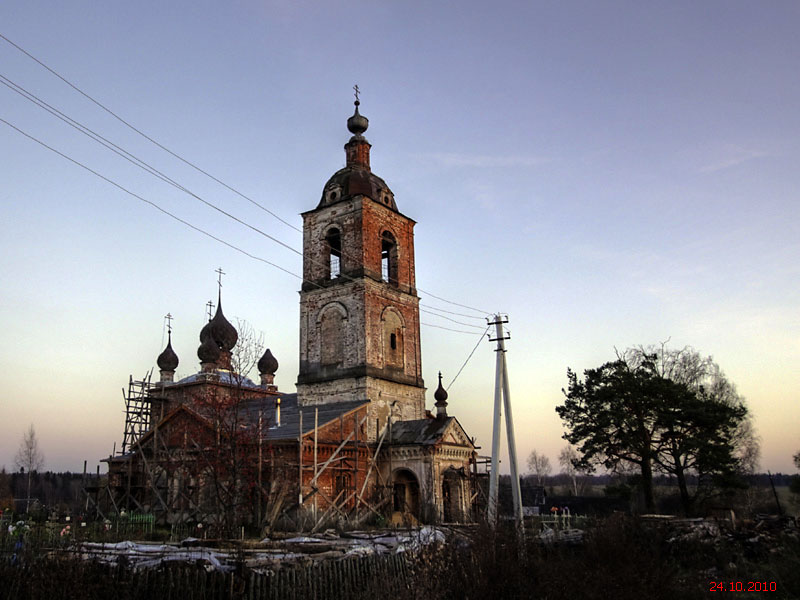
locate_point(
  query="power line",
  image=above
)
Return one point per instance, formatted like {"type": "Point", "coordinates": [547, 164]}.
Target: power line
{"type": "Point", "coordinates": [480, 339]}
{"type": "Point", "coordinates": [179, 219]}
{"type": "Point", "coordinates": [156, 173]}
{"type": "Point", "coordinates": [449, 319]}
{"type": "Point", "coordinates": [447, 328]}
{"type": "Point", "coordinates": [133, 159]}
{"type": "Point", "coordinates": [145, 136]}
{"type": "Point", "coordinates": [150, 169]}
{"type": "Point", "coordinates": [151, 203]}
{"type": "Point", "coordinates": [183, 221]}
{"type": "Point", "coordinates": [483, 312]}
{"type": "Point", "coordinates": [450, 312]}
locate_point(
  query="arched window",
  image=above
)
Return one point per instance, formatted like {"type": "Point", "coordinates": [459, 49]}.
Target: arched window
{"type": "Point", "coordinates": [334, 241]}
{"type": "Point", "coordinates": [388, 258]}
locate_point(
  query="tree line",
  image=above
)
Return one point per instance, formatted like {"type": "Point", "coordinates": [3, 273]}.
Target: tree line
{"type": "Point", "coordinates": [47, 491]}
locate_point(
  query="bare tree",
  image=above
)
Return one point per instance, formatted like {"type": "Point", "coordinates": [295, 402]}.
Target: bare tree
{"type": "Point", "coordinates": [539, 465]}
{"type": "Point", "coordinates": [29, 458]}
{"type": "Point", "coordinates": [704, 376]}
{"type": "Point", "coordinates": [229, 459]}
{"type": "Point", "coordinates": [712, 435]}
{"type": "Point", "coordinates": [248, 349]}
{"type": "Point", "coordinates": [567, 458]}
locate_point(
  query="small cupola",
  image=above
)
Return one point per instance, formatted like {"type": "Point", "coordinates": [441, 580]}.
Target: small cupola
{"type": "Point", "coordinates": [357, 149]}
{"type": "Point", "coordinates": [357, 178]}
{"type": "Point", "coordinates": [441, 400]}
{"type": "Point", "coordinates": [267, 366]}
{"type": "Point", "coordinates": [208, 353]}
{"type": "Point", "coordinates": [167, 361]}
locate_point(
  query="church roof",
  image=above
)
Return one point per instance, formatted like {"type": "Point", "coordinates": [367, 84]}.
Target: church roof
{"type": "Point", "coordinates": [357, 179]}
{"type": "Point", "coordinates": [290, 416]}
{"type": "Point", "coordinates": [221, 376]}
{"type": "Point", "coordinates": [423, 431]}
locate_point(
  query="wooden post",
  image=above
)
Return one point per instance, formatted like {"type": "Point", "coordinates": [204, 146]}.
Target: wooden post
{"type": "Point", "coordinates": [391, 472]}
{"type": "Point", "coordinates": [300, 462]}
{"type": "Point", "coordinates": [316, 422]}
{"type": "Point", "coordinates": [355, 424]}
{"type": "Point", "coordinates": [335, 453]}
{"type": "Point", "coordinates": [260, 488]}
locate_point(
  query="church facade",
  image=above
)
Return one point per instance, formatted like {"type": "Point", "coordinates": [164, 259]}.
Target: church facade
{"type": "Point", "coordinates": [355, 442]}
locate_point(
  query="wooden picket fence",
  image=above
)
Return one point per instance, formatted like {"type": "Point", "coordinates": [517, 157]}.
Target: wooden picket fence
{"type": "Point", "coordinates": [348, 578]}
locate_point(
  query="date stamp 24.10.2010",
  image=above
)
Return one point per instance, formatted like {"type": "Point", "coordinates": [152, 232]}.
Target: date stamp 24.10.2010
{"type": "Point", "coordinates": [742, 586]}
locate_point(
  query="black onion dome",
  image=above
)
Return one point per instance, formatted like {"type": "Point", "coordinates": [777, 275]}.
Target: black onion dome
{"type": "Point", "coordinates": [440, 394]}
{"type": "Point", "coordinates": [208, 352]}
{"type": "Point", "coordinates": [358, 123]}
{"type": "Point", "coordinates": [267, 364]}
{"type": "Point", "coordinates": [205, 332]}
{"type": "Point", "coordinates": [168, 360]}
{"type": "Point", "coordinates": [354, 181]}
{"type": "Point", "coordinates": [220, 331]}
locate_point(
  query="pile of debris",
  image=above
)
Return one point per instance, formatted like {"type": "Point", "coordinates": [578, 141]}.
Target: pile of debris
{"type": "Point", "coordinates": [762, 535]}
{"type": "Point", "coordinates": [568, 537]}
{"type": "Point", "coordinates": [264, 555]}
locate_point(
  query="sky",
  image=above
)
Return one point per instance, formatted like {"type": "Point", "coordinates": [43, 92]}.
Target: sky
{"type": "Point", "coordinates": [609, 174]}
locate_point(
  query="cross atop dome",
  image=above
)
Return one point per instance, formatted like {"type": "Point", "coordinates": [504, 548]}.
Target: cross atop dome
{"type": "Point", "coordinates": [357, 124]}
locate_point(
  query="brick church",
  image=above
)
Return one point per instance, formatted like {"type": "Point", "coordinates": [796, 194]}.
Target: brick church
{"type": "Point", "coordinates": [355, 443]}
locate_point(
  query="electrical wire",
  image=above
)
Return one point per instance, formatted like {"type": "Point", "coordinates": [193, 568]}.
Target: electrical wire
{"type": "Point", "coordinates": [447, 328]}
{"type": "Point", "coordinates": [450, 312]}
{"type": "Point", "coordinates": [183, 221]}
{"type": "Point", "coordinates": [145, 136]}
{"type": "Point", "coordinates": [133, 159]}
{"type": "Point", "coordinates": [153, 204]}
{"type": "Point", "coordinates": [480, 339]}
{"type": "Point", "coordinates": [155, 172]}
{"type": "Point", "coordinates": [449, 319]}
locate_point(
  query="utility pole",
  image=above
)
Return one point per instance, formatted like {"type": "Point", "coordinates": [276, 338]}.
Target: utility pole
{"type": "Point", "coordinates": [502, 390]}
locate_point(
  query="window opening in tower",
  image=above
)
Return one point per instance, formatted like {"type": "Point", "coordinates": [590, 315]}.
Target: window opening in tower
{"type": "Point", "coordinates": [334, 240]}
{"type": "Point", "coordinates": [388, 258]}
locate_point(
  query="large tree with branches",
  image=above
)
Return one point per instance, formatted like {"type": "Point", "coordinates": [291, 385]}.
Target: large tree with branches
{"type": "Point", "coordinates": [668, 412]}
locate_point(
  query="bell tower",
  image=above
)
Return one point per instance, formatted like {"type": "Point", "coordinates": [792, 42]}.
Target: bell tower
{"type": "Point", "coordinates": [359, 309]}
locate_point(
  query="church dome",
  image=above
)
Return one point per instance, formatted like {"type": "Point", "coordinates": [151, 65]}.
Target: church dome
{"type": "Point", "coordinates": [440, 395]}
{"type": "Point", "coordinates": [168, 360]}
{"type": "Point", "coordinates": [358, 123]}
{"type": "Point", "coordinates": [220, 331]}
{"type": "Point", "coordinates": [267, 364]}
{"type": "Point", "coordinates": [208, 352]}
{"type": "Point", "coordinates": [355, 181]}
{"type": "Point", "coordinates": [356, 178]}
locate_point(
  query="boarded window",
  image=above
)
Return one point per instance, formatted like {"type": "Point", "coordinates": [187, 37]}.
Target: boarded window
{"type": "Point", "coordinates": [393, 339]}
{"type": "Point", "coordinates": [331, 337]}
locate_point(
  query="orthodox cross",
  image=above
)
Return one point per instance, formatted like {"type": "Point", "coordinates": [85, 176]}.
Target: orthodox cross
{"type": "Point", "coordinates": [355, 87]}
{"type": "Point", "coordinates": [220, 272]}
{"type": "Point", "coordinates": [209, 308]}
{"type": "Point", "coordinates": [168, 319]}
